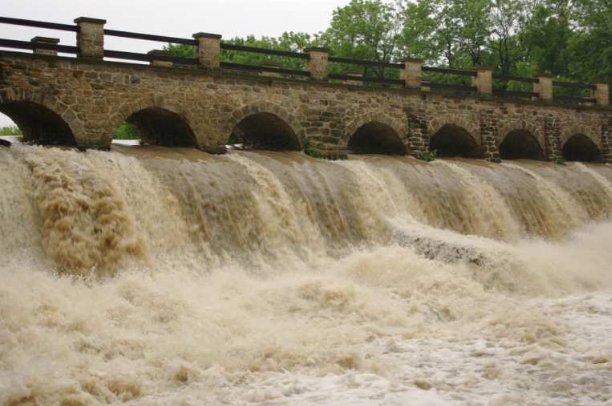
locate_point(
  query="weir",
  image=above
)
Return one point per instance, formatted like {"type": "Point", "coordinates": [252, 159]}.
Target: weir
{"type": "Point", "coordinates": [96, 210]}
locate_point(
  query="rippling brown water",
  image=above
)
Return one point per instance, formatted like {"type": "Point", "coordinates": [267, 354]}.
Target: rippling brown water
{"type": "Point", "coordinates": [152, 276]}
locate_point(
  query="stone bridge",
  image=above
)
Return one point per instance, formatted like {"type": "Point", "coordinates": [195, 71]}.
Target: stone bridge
{"type": "Point", "coordinates": [82, 101]}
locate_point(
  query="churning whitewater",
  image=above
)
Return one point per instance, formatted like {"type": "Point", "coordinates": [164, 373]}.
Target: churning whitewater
{"type": "Point", "coordinates": [156, 276]}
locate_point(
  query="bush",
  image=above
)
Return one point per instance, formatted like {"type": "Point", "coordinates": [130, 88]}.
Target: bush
{"type": "Point", "coordinates": [428, 156]}
{"type": "Point", "coordinates": [10, 130]}
{"type": "Point", "coordinates": [126, 132]}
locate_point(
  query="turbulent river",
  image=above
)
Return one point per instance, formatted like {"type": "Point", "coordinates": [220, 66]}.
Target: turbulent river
{"type": "Point", "coordinates": [153, 276]}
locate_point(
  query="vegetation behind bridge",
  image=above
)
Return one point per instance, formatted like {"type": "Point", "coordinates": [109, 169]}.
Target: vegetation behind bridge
{"type": "Point", "coordinates": [570, 39]}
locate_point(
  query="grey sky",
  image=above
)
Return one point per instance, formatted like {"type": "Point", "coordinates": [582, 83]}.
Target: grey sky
{"type": "Point", "coordinates": [179, 18]}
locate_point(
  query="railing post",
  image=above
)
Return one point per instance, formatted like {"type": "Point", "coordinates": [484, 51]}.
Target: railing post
{"type": "Point", "coordinates": [90, 38]}
{"type": "Point", "coordinates": [209, 50]}
{"type": "Point", "coordinates": [317, 64]}
{"type": "Point", "coordinates": [483, 80]}
{"type": "Point", "coordinates": [45, 41]}
{"type": "Point", "coordinates": [544, 87]}
{"type": "Point", "coordinates": [601, 94]}
{"type": "Point", "coordinates": [157, 62]}
{"type": "Point", "coordinates": [413, 72]}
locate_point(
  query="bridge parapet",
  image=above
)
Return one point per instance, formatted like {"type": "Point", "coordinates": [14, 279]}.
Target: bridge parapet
{"type": "Point", "coordinates": [83, 100]}
{"type": "Point", "coordinates": [412, 74]}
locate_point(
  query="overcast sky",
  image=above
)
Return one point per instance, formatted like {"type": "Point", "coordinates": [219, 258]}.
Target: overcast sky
{"type": "Point", "coordinates": [177, 18]}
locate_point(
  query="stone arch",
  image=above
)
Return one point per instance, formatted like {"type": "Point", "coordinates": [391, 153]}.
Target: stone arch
{"type": "Point", "coordinates": [264, 125]}
{"type": "Point", "coordinates": [572, 129]}
{"type": "Point", "coordinates": [41, 117]}
{"type": "Point", "coordinates": [580, 147]}
{"type": "Point", "coordinates": [376, 133]}
{"type": "Point", "coordinates": [455, 136]}
{"type": "Point", "coordinates": [157, 122]}
{"type": "Point", "coordinates": [469, 124]}
{"type": "Point", "coordinates": [516, 140]}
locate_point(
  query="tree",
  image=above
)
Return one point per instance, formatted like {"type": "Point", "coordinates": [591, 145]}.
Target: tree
{"type": "Point", "coordinates": [591, 45]}
{"type": "Point", "coordinates": [288, 41]}
{"type": "Point", "coordinates": [506, 17]}
{"type": "Point", "coordinates": [364, 29]}
{"type": "Point", "coordinates": [10, 130]}
{"type": "Point", "coordinates": [545, 37]}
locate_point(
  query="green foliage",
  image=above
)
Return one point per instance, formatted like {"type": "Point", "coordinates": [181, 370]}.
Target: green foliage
{"type": "Point", "coordinates": [428, 156]}
{"type": "Point", "coordinates": [571, 39]}
{"type": "Point", "coordinates": [367, 30]}
{"type": "Point", "coordinates": [288, 41]}
{"type": "Point", "coordinates": [126, 132]}
{"type": "Point", "coordinates": [233, 139]}
{"type": "Point", "coordinates": [560, 161]}
{"type": "Point", "coordinates": [10, 130]}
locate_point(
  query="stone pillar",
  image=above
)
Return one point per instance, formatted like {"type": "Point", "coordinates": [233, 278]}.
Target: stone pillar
{"type": "Point", "coordinates": [489, 122]}
{"type": "Point", "coordinates": [90, 38]}
{"type": "Point", "coordinates": [274, 65]}
{"type": "Point", "coordinates": [544, 87]}
{"type": "Point", "coordinates": [483, 80]}
{"type": "Point", "coordinates": [354, 74]}
{"type": "Point", "coordinates": [36, 41]}
{"type": "Point", "coordinates": [209, 50]}
{"type": "Point", "coordinates": [601, 94]}
{"type": "Point", "coordinates": [418, 138]}
{"type": "Point", "coordinates": [413, 72]}
{"type": "Point", "coordinates": [158, 62]}
{"type": "Point", "coordinates": [606, 139]}
{"type": "Point", "coordinates": [552, 138]}
{"type": "Point", "coordinates": [317, 64]}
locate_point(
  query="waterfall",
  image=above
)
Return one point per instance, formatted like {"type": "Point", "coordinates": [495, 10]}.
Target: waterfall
{"type": "Point", "coordinates": [151, 275]}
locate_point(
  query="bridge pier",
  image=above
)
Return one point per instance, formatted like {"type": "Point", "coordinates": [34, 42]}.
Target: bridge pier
{"type": "Point", "coordinates": [488, 133]}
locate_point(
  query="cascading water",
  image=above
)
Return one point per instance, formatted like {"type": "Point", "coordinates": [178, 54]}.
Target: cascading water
{"type": "Point", "coordinates": [153, 276]}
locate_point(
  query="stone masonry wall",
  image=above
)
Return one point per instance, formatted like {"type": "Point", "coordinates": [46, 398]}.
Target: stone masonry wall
{"type": "Point", "coordinates": [95, 97]}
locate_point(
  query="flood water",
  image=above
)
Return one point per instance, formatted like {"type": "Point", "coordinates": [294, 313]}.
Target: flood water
{"type": "Point", "coordinates": [157, 276]}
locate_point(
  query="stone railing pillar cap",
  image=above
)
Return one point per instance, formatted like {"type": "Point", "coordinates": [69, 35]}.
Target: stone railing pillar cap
{"type": "Point", "coordinates": [316, 49]}
{"type": "Point", "coordinates": [46, 40]}
{"type": "Point", "coordinates": [206, 35]}
{"type": "Point", "coordinates": [89, 20]}
{"type": "Point", "coordinates": [408, 59]}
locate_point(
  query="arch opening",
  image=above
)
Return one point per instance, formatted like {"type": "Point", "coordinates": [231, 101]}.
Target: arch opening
{"type": "Point", "coordinates": [266, 131]}
{"type": "Point", "coordinates": [38, 124]}
{"type": "Point", "coordinates": [157, 126]}
{"type": "Point", "coordinates": [521, 144]}
{"type": "Point", "coordinates": [579, 147]}
{"type": "Point", "coordinates": [454, 141]}
{"type": "Point", "coordinates": [376, 138]}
